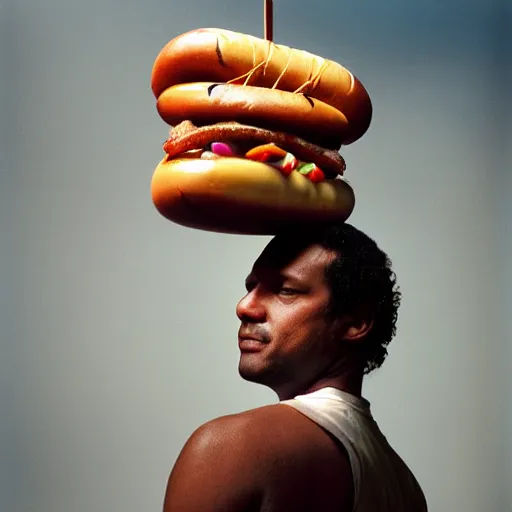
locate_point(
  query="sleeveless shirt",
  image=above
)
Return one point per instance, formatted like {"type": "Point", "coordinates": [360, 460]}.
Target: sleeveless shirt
{"type": "Point", "coordinates": [382, 480]}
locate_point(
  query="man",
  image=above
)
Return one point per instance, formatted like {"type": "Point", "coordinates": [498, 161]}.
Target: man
{"type": "Point", "coordinates": [320, 309]}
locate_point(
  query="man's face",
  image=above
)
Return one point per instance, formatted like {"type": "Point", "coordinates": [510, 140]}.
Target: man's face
{"type": "Point", "coordinates": [284, 336]}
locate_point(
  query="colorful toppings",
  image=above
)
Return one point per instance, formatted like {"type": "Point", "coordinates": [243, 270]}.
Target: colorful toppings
{"type": "Point", "coordinates": [275, 156]}
{"type": "Point", "coordinates": [282, 150]}
{"type": "Point", "coordinates": [222, 149]}
{"type": "Point", "coordinates": [266, 153]}
{"type": "Point", "coordinates": [312, 171]}
{"type": "Point", "coordinates": [271, 154]}
{"type": "Point", "coordinates": [288, 164]}
{"type": "Point", "coordinates": [209, 155]}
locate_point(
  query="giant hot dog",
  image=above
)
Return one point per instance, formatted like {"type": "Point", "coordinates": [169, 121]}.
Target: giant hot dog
{"type": "Point", "coordinates": [256, 130]}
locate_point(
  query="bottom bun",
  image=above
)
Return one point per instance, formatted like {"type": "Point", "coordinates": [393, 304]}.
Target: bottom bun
{"type": "Point", "coordinates": [239, 196]}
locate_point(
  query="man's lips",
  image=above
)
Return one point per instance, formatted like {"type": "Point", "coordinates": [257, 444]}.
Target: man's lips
{"type": "Point", "coordinates": [250, 343]}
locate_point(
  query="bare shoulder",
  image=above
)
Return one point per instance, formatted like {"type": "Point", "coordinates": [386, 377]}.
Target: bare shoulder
{"type": "Point", "coordinates": [216, 470]}
{"type": "Point", "coordinates": [265, 458]}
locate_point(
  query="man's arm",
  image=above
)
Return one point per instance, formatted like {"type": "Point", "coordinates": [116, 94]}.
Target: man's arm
{"type": "Point", "coordinates": [217, 470]}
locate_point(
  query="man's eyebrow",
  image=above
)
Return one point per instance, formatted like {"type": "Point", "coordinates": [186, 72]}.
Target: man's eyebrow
{"type": "Point", "coordinates": [291, 276]}
{"type": "Point", "coordinates": [274, 275]}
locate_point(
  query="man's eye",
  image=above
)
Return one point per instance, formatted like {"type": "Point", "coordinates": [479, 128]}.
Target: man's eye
{"type": "Point", "coordinates": [288, 291]}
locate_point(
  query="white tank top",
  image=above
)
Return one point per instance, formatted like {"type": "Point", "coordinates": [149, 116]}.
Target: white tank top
{"type": "Point", "coordinates": [382, 480]}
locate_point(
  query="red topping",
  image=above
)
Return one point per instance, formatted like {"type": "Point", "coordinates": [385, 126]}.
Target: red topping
{"type": "Point", "coordinates": [265, 152]}
{"type": "Point", "coordinates": [288, 164]}
{"type": "Point", "coordinates": [316, 175]}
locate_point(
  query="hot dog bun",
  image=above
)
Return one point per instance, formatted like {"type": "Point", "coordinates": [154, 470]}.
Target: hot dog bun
{"type": "Point", "coordinates": [209, 103]}
{"type": "Point", "coordinates": [239, 196]}
{"type": "Point", "coordinates": [256, 132]}
{"type": "Point", "coordinates": [217, 55]}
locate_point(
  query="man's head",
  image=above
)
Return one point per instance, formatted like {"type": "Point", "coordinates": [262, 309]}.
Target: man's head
{"type": "Point", "coordinates": [322, 302]}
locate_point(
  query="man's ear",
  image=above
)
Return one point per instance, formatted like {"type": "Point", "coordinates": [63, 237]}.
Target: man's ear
{"type": "Point", "coordinates": [357, 325]}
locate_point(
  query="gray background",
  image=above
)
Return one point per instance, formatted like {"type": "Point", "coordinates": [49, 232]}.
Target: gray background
{"type": "Point", "coordinates": [118, 328]}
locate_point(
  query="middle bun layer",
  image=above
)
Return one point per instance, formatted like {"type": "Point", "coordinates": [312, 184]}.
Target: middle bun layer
{"type": "Point", "coordinates": [206, 103]}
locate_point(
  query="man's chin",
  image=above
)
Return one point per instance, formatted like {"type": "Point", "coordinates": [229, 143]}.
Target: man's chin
{"type": "Point", "coordinates": [250, 373]}
{"type": "Point", "coordinates": [257, 371]}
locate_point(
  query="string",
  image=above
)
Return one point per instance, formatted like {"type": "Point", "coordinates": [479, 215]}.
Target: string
{"type": "Point", "coordinates": [269, 22]}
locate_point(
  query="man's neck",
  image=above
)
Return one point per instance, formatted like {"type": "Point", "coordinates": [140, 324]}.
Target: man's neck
{"type": "Point", "coordinates": [349, 383]}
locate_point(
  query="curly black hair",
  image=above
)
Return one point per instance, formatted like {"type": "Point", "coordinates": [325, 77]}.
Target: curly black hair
{"type": "Point", "coordinates": [359, 278]}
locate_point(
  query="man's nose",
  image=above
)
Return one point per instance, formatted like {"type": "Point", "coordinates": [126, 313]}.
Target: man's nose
{"type": "Point", "coordinates": [251, 307]}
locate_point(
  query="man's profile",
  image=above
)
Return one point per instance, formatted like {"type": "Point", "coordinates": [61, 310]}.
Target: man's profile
{"type": "Point", "coordinates": [320, 309]}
